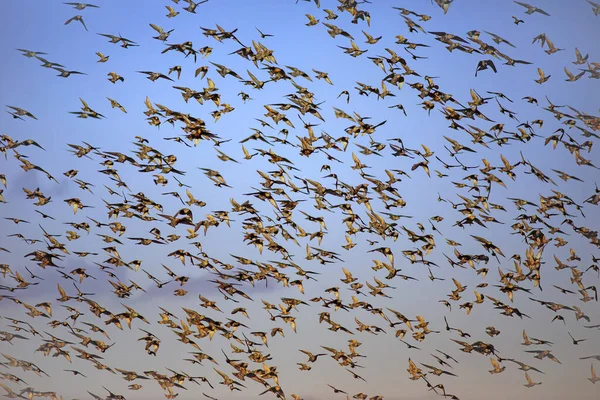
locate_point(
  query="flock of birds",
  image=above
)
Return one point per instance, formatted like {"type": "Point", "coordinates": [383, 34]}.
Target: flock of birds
{"type": "Point", "coordinates": [369, 212]}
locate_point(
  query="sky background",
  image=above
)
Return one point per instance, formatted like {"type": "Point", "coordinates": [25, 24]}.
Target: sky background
{"type": "Point", "coordinates": [39, 26]}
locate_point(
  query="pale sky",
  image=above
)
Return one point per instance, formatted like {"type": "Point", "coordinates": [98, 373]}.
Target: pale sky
{"type": "Point", "coordinates": [39, 26]}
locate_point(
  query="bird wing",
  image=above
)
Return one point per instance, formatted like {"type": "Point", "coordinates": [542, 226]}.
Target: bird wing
{"type": "Point", "coordinates": [157, 28]}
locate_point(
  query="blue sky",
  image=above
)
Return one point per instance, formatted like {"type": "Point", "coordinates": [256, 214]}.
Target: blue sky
{"type": "Point", "coordinates": [39, 26]}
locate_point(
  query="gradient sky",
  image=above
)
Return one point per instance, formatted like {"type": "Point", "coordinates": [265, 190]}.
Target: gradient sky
{"type": "Point", "coordinates": [39, 26]}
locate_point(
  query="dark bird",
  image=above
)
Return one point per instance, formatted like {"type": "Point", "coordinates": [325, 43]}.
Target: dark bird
{"type": "Point", "coordinates": [484, 64]}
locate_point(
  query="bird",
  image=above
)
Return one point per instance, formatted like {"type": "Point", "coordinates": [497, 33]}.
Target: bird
{"type": "Point", "coordinates": [571, 77]}
{"type": "Point", "coordinates": [153, 76]}
{"type": "Point", "coordinates": [263, 35]}
{"type": "Point", "coordinates": [31, 54]}
{"type": "Point", "coordinates": [593, 378]}
{"type": "Point", "coordinates": [172, 13]}
{"type": "Point", "coordinates": [530, 383]}
{"type": "Point", "coordinates": [595, 7]}
{"type": "Point", "coordinates": [444, 4]}
{"type": "Point", "coordinates": [81, 6]}
{"type": "Point", "coordinates": [543, 76]}
{"type": "Point", "coordinates": [21, 112]}
{"type": "Point", "coordinates": [532, 9]}
{"type": "Point", "coordinates": [113, 77]}
{"type": "Point", "coordinates": [484, 64]}
{"type": "Point", "coordinates": [65, 74]}
{"type": "Point", "coordinates": [163, 36]}
{"type": "Point", "coordinates": [580, 59]}
{"type": "Point", "coordinates": [576, 342]}
{"type": "Point", "coordinates": [102, 57]}
{"type": "Point", "coordinates": [78, 18]}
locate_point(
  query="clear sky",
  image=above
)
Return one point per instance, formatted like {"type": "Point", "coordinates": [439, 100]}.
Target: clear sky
{"type": "Point", "coordinates": [40, 26]}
